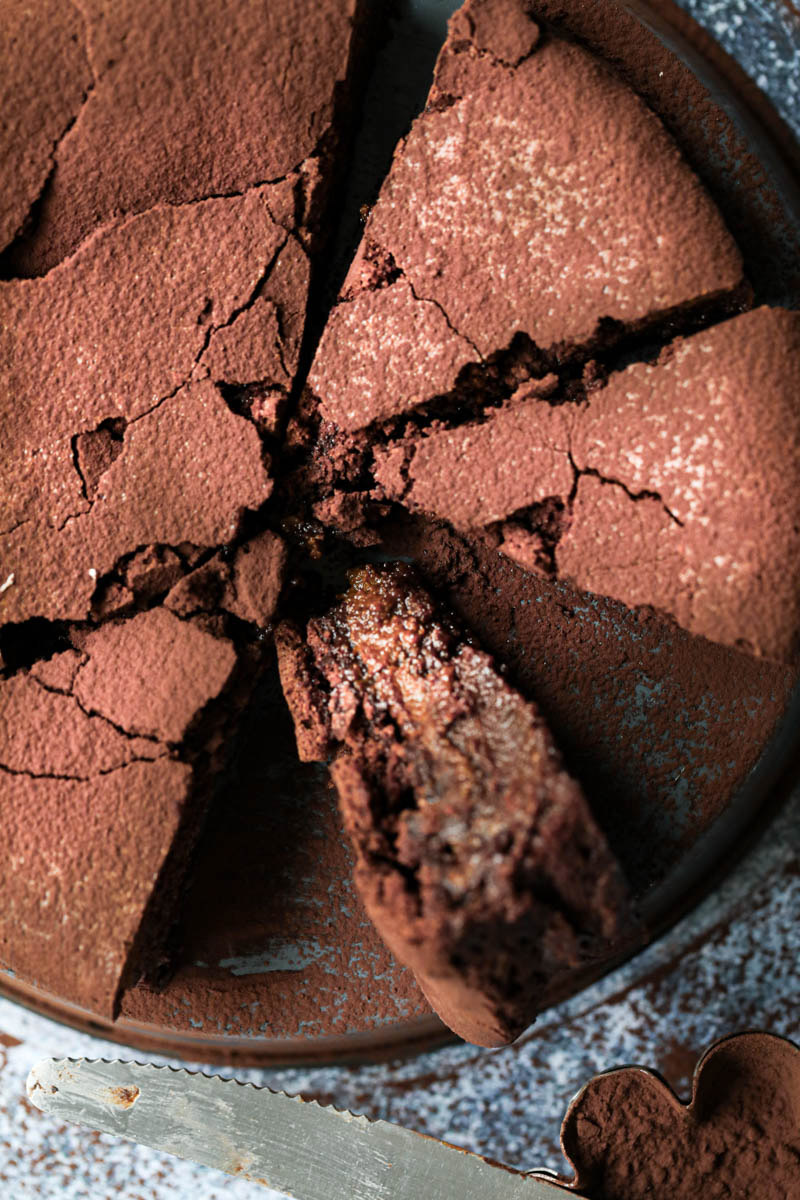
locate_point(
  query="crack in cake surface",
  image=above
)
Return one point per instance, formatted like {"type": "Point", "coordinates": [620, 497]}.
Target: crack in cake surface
{"type": "Point", "coordinates": [49, 38]}
{"type": "Point", "coordinates": [127, 474]}
{"type": "Point", "coordinates": [107, 164]}
{"type": "Point", "coordinates": [606, 239]}
{"type": "Point", "coordinates": [644, 468]}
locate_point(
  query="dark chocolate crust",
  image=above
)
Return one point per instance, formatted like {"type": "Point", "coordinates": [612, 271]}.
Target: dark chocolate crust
{"type": "Point", "coordinates": [476, 854]}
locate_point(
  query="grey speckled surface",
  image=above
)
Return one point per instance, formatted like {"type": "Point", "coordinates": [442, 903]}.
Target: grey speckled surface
{"type": "Point", "coordinates": [764, 35]}
{"type": "Point", "coordinates": [733, 963]}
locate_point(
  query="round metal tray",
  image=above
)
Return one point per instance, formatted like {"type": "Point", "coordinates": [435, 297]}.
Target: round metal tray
{"type": "Point", "coordinates": [278, 964]}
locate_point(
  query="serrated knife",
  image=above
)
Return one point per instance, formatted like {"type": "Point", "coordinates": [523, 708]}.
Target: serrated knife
{"type": "Point", "coordinates": [295, 1146]}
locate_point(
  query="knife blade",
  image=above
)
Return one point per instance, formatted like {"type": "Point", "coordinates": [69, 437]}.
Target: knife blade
{"type": "Point", "coordinates": [296, 1146]}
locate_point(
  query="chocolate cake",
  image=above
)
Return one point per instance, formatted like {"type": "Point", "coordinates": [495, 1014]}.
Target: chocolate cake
{"type": "Point", "coordinates": [503, 357]}
{"type": "Point", "coordinates": [45, 77]}
{"type": "Point", "coordinates": [477, 855]}
{"type": "Point", "coordinates": [100, 807]}
{"type": "Point", "coordinates": [164, 179]}
{"type": "Point", "coordinates": [532, 383]}
{"type": "Point", "coordinates": [645, 480]}
{"type": "Point", "coordinates": [137, 104]}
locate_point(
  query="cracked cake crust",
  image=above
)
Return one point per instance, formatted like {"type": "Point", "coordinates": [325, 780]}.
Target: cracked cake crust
{"type": "Point", "coordinates": [44, 80]}
{"type": "Point", "coordinates": [166, 184]}
{"type": "Point", "coordinates": [87, 773]}
{"type": "Point", "coordinates": [676, 482]}
{"type": "Point", "coordinates": [549, 169]}
{"type": "Point", "coordinates": [228, 97]}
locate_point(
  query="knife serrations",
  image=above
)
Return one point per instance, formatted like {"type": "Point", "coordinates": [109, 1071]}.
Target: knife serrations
{"type": "Point", "coordinates": [298, 1147]}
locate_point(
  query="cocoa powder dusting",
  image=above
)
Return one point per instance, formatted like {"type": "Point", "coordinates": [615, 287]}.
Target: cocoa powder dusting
{"type": "Point", "coordinates": [659, 727]}
{"type": "Point", "coordinates": [629, 1137]}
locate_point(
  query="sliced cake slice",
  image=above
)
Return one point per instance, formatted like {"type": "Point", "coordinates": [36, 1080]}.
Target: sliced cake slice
{"type": "Point", "coordinates": [536, 210]}
{"type": "Point", "coordinates": [107, 756]}
{"type": "Point", "coordinates": [478, 858]}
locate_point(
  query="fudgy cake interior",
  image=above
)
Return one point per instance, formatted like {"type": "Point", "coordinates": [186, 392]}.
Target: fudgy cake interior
{"type": "Point", "coordinates": [477, 855]}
